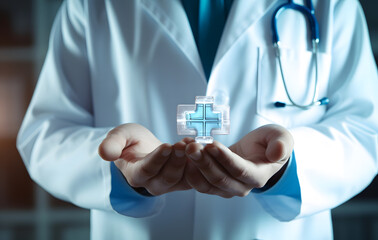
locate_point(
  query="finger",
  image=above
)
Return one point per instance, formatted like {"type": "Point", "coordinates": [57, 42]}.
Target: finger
{"type": "Point", "coordinates": [239, 168]}
{"type": "Point", "coordinates": [181, 185]}
{"type": "Point", "coordinates": [197, 181]}
{"type": "Point", "coordinates": [124, 136]}
{"type": "Point", "coordinates": [141, 171]}
{"type": "Point", "coordinates": [111, 147]}
{"type": "Point", "coordinates": [188, 140]}
{"type": "Point", "coordinates": [279, 149]}
{"type": "Point", "coordinates": [193, 151]}
{"type": "Point", "coordinates": [218, 177]}
{"type": "Point", "coordinates": [156, 188]}
{"type": "Point", "coordinates": [173, 170]}
{"type": "Point", "coordinates": [278, 140]}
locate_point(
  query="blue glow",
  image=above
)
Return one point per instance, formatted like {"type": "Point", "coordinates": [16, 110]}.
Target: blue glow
{"type": "Point", "coordinates": [203, 120]}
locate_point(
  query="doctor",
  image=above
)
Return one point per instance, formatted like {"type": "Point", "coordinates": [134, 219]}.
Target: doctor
{"type": "Point", "coordinates": [114, 75]}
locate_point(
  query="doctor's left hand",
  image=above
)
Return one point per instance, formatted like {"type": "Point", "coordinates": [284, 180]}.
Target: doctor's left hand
{"type": "Point", "coordinates": [250, 163]}
{"type": "Point", "coordinates": [144, 160]}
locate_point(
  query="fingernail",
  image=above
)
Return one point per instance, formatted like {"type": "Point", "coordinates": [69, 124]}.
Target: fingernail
{"type": "Point", "coordinates": [195, 155]}
{"type": "Point", "coordinates": [166, 152]}
{"type": "Point", "coordinates": [213, 151]}
{"type": "Point", "coordinates": [179, 153]}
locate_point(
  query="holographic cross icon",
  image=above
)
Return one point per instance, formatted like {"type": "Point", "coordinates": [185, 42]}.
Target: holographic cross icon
{"type": "Point", "coordinates": [203, 119]}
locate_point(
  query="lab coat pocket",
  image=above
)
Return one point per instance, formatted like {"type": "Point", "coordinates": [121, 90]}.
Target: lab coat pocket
{"type": "Point", "coordinates": [299, 71]}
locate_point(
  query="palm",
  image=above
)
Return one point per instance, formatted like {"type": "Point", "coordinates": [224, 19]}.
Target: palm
{"type": "Point", "coordinates": [142, 143]}
{"type": "Point", "coordinates": [253, 152]}
{"type": "Point", "coordinates": [262, 146]}
{"type": "Point", "coordinates": [144, 160]}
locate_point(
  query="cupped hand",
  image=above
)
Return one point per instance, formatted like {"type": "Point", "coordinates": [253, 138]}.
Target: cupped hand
{"type": "Point", "coordinates": [235, 171]}
{"type": "Point", "coordinates": [144, 160]}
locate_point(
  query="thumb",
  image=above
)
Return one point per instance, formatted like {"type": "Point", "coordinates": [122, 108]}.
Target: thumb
{"type": "Point", "coordinates": [279, 147]}
{"type": "Point", "coordinates": [112, 146]}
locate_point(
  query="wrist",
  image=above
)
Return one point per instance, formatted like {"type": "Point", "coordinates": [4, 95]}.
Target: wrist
{"type": "Point", "coordinates": [275, 178]}
{"type": "Point", "coordinates": [141, 190]}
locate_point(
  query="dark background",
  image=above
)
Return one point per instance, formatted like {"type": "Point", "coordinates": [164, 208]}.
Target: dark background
{"type": "Point", "coordinates": [27, 211]}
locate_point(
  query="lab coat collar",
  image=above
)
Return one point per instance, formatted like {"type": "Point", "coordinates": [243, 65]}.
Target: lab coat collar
{"type": "Point", "coordinates": [242, 16]}
{"type": "Point", "coordinates": [172, 17]}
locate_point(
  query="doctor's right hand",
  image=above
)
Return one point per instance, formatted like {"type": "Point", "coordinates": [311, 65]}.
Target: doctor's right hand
{"type": "Point", "coordinates": [145, 161]}
{"type": "Point", "coordinates": [258, 160]}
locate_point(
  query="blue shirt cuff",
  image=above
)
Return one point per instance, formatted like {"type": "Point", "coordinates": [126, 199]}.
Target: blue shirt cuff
{"type": "Point", "coordinates": [126, 201]}
{"type": "Point", "coordinates": [288, 183]}
{"type": "Point", "coordinates": [283, 200]}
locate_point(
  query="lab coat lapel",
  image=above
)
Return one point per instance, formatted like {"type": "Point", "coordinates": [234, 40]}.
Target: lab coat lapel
{"type": "Point", "coordinates": [243, 14]}
{"type": "Point", "coordinates": [172, 17]}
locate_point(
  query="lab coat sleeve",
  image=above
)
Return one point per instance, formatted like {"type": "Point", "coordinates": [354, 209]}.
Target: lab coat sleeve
{"type": "Point", "coordinates": [336, 158]}
{"type": "Point", "coordinates": [283, 200]}
{"type": "Point", "coordinates": [58, 140]}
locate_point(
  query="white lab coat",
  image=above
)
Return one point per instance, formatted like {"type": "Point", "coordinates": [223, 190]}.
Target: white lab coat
{"type": "Point", "coordinates": [113, 62]}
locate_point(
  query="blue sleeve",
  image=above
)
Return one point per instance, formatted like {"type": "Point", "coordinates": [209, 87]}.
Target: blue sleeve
{"type": "Point", "coordinates": [283, 200]}
{"type": "Point", "coordinates": [126, 201]}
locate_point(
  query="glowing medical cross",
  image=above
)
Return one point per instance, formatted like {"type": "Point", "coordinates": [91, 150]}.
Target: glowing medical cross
{"type": "Point", "coordinates": [203, 119]}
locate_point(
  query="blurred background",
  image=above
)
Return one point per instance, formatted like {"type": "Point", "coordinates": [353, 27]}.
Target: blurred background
{"type": "Point", "coordinates": [29, 213]}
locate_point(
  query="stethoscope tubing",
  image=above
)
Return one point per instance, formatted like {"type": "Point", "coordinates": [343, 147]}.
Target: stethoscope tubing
{"type": "Point", "coordinates": [309, 13]}
{"type": "Point", "coordinates": [315, 95]}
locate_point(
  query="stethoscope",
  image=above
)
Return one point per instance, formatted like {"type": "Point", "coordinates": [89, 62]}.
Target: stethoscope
{"type": "Point", "coordinates": [309, 13]}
